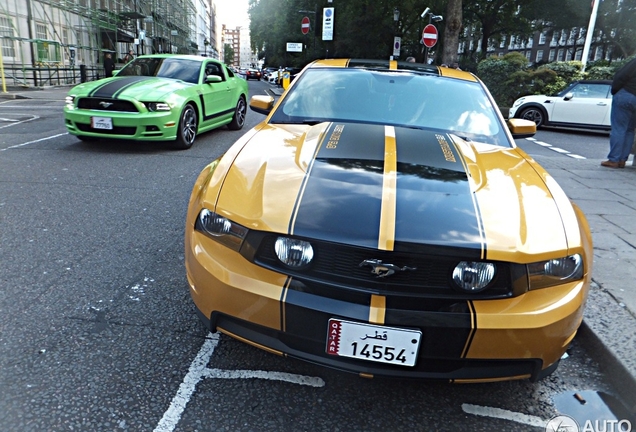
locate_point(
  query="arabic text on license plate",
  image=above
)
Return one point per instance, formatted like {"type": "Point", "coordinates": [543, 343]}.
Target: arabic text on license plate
{"type": "Point", "coordinates": [373, 342]}
{"type": "Point", "coordinates": [102, 123]}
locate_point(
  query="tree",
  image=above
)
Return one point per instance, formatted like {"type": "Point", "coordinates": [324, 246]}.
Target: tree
{"type": "Point", "coordinates": [451, 31]}
{"type": "Point", "coordinates": [228, 54]}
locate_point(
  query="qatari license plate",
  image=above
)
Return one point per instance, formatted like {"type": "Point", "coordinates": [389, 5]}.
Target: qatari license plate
{"type": "Point", "coordinates": [373, 342]}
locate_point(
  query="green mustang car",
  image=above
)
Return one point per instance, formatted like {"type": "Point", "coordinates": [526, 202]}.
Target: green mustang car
{"type": "Point", "coordinates": [163, 97]}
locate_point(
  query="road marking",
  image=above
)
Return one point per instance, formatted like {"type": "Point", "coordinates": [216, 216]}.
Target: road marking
{"type": "Point", "coordinates": [198, 371]}
{"type": "Point", "coordinates": [505, 415]}
{"type": "Point", "coordinates": [277, 376]}
{"type": "Point", "coordinates": [34, 141]}
{"type": "Point", "coordinates": [21, 121]}
{"type": "Point", "coordinates": [556, 149]}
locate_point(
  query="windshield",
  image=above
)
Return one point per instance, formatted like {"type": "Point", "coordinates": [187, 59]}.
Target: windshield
{"type": "Point", "coordinates": [395, 98]}
{"type": "Point", "coordinates": [187, 70]}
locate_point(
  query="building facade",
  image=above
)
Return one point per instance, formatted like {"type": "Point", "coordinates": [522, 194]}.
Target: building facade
{"type": "Point", "coordinates": [50, 42]}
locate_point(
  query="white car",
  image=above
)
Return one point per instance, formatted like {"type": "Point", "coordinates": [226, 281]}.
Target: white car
{"type": "Point", "coordinates": [582, 104]}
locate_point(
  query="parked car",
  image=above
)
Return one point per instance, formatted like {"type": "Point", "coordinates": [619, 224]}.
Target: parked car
{"type": "Point", "coordinates": [582, 104]}
{"type": "Point", "coordinates": [162, 97]}
{"type": "Point", "coordinates": [253, 74]}
{"type": "Point", "coordinates": [382, 221]}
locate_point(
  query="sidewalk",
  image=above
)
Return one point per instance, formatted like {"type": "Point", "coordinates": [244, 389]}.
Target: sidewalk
{"type": "Point", "coordinates": [608, 198]}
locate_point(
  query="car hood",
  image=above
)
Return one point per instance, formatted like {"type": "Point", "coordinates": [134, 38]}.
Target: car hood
{"type": "Point", "coordinates": [131, 87]}
{"type": "Point", "coordinates": [390, 188]}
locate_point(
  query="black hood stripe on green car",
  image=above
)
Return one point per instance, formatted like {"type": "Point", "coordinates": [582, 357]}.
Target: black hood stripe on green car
{"type": "Point", "coordinates": [346, 188]}
{"type": "Point", "coordinates": [115, 86]}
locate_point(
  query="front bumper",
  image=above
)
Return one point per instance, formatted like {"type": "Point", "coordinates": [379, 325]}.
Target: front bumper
{"type": "Point", "coordinates": [156, 126]}
{"type": "Point", "coordinates": [463, 341]}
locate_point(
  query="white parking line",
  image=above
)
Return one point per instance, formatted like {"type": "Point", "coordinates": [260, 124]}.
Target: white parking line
{"type": "Point", "coordinates": [17, 122]}
{"type": "Point", "coordinates": [505, 415]}
{"type": "Point", "coordinates": [198, 371]}
{"type": "Point", "coordinates": [556, 149]}
{"type": "Point", "coordinates": [34, 141]}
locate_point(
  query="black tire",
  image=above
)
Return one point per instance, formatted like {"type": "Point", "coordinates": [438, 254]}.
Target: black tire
{"type": "Point", "coordinates": [238, 121]}
{"type": "Point", "coordinates": [187, 132]}
{"type": "Point", "coordinates": [535, 114]}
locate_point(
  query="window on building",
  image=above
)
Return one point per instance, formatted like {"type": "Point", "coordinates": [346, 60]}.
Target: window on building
{"type": "Point", "coordinates": [6, 31]}
{"type": "Point", "coordinates": [555, 39]}
{"type": "Point", "coordinates": [528, 54]}
{"type": "Point", "coordinates": [598, 53]}
{"type": "Point", "coordinates": [539, 56]}
{"type": "Point", "coordinates": [502, 43]}
{"type": "Point", "coordinates": [561, 55]}
{"type": "Point", "coordinates": [542, 38]}
{"type": "Point", "coordinates": [552, 55]}
{"type": "Point", "coordinates": [40, 31]}
{"type": "Point", "coordinates": [564, 38]}
{"type": "Point", "coordinates": [578, 55]}
{"type": "Point", "coordinates": [529, 43]}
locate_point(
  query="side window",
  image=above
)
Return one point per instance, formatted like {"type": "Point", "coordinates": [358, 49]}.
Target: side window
{"type": "Point", "coordinates": [212, 68]}
{"type": "Point", "coordinates": [229, 72]}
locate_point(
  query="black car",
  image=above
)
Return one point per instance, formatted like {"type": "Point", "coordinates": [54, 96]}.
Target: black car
{"type": "Point", "coordinates": [253, 74]}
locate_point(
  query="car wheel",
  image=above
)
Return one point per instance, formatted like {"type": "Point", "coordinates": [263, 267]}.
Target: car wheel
{"type": "Point", "coordinates": [187, 131]}
{"type": "Point", "coordinates": [239, 115]}
{"type": "Point", "coordinates": [537, 115]}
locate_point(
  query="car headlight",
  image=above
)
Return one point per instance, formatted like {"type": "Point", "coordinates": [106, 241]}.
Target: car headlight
{"type": "Point", "coordinates": [221, 229]}
{"type": "Point", "coordinates": [70, 100]}
{"type": "Point", "coordinates": [473, 276]}
{"type": "Point", "coordinates": [552, 272]}
{"type": "Point", "coordinates": [293, 252]}
{"type": "Point", "coordinates": [157, 106]}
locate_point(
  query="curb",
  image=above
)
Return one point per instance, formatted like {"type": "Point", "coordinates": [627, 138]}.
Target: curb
{"type": "Point", "coordinates": [606, 332]}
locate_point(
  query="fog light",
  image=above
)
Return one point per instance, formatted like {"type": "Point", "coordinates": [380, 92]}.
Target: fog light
{"type": "Point", "coordinates": [293, 252]}
{"type": "Point", "coordinates": [473, 276]}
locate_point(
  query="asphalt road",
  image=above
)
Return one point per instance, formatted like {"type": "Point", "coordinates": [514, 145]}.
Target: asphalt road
{"type": "Point", "coordinates": [98, 332]}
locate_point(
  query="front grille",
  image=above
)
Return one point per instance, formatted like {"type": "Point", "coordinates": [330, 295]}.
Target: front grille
{"type": "Point", "coordinates": [337, 264]}
{"type": "Point", "coordinates": [101, 104]}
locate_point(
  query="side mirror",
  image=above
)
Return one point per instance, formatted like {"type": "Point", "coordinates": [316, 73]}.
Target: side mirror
{"type": "Point", "coordinates": [520, 128]}
{"type": "Point", "coordinates": [262, 104]}
{"type": "Point", "coordinates": [210, 79]}
{"type": "Point", "coordinates": [568, 96]}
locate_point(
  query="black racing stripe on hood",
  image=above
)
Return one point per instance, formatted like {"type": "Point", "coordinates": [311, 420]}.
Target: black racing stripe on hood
{"type": "Point", "coordinates": [435, 203]}
{"type": "Point", "coordinates": [115, 86]}
{"type": "Point", "coordinates": [343, 194]}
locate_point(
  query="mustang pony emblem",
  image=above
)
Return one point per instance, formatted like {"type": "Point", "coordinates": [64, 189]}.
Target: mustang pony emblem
{"type": "Point", "coordinates": [380, 269]}
{"type": "Point", "coordinates": [105, 104]}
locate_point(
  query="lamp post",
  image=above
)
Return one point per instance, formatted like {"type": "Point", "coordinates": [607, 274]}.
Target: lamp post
{"type": "Point", "coordinates": [206, 42]}
{"type": "Point", "coordinates": [315, 22]}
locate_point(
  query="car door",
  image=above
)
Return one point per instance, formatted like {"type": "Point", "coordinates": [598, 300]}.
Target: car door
{"type": "Point", "coordinates": [217, 96]}
{"type": "Point", "coordinates": [584, 104]}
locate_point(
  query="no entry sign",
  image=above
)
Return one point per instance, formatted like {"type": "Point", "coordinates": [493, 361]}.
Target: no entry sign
{"type": "Point", "coordinates": [304, 25]}
{"type": "Point", "coordinates": [429, 35]}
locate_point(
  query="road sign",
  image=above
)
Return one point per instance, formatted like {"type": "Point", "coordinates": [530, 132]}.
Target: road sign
{"type": "Point", "coordinates": [304, 25]}
{"type": "Point", "coordinates": [397, 42]}
{"type": "Point", "coordinates": [294, 47]}
{"type": "Point", "coordinates": [429, 35]}
{"type": "Point", "coordinates": [327, 23]}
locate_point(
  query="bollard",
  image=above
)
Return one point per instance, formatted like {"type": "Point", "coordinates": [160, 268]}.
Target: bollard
{"type": "Point", "coordinates": [83, 73]}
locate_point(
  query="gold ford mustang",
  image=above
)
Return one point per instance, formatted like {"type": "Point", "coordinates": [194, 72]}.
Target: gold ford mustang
{"type": "Point", "coordinates": [382, 221]}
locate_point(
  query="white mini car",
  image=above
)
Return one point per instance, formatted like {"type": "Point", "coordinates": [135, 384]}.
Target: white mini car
{"type": "Point", "coordinates": [582, 104]}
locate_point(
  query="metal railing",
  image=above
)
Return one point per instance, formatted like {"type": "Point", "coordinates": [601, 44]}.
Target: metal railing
{"type": "Point", "coordinates": [50, 75]}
